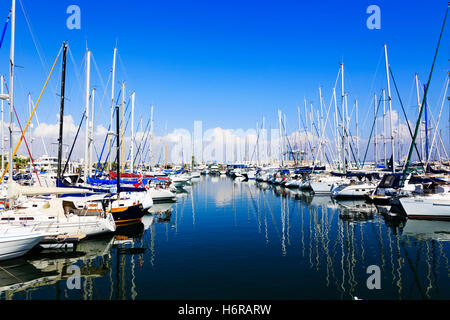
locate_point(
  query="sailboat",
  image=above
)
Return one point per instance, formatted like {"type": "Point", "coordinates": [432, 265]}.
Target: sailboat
{"type": "Point", "coordinates": [82, 216]}
{"type": "Point", "coordinates": [16, 241]}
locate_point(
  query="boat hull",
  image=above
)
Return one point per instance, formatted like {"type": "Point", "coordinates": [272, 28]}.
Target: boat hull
{"type": "Point", "coordinates": [13, 246]}
{"type": "Point", "coordinates": [427, 208]}
{"type": "Point", "coordinates": [126, 215]}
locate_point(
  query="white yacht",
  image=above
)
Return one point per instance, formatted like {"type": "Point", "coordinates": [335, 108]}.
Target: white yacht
{"type": "Point", "coordinates": [15, 241]}
{"type": "Point", "coordinates": [324, 185]}
{"type": "Point", "coordinates": [431, 207]}
{"type": "Point", "coordinates": [59, 216]}
{"type": "Point", "coordinates": [354, 190]}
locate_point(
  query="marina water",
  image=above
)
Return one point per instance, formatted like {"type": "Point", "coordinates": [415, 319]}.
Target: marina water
{"type": "Point", "coordinates": [230, 239]}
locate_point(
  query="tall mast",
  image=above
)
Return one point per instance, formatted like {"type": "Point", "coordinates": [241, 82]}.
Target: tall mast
{"type": "Point", "coordinates": [344, 164]}
{"type": "Point", "coordinates": [375, 130]}
{"type": "Point", "coordinates": [321, 125]}
{"type": "Point", "coordinates": [265, 139]}
{"type": "Point", "coordinates": [257, 144]}
{"type": "Point", "coordinates": [306, 120]}
{"type": "Point", "coordinates": [418, 105]}
{"type": "Point", "coordinates": [91, 138]}
{"type": "Point", "coordinates": [357, 134]}
{"type": "Point", "coordinates": [426, 127]}
{"type": "Point", "coordinates": [336, 123]}
{"type": "Point", "coordinates": [281, 136]}
{"type": "Point", "coordinates": [30, 137]}
{"type": "Point", "coordinates": [299, 136]}
{"type": "Point", "coordinates": [311, 118]}
{"type": "Point", "coordinates": [123, 128]}
{"type": "Point", "coordinates": [112, 98]}
{"type": "Point", "coordinates": [61, 111]}
{"type": "Point", "coordinates": [151, 137]}
{"type": "Point", "coordinates": [132, 132]}
{"type": "Point", "coordinates": [118, 151]}
{"type": "Point", "coordinates": [384, 125]}
{"type": "Point", "coordinates": [86, 103]}
{"type": "Point", "coordinates": [285, 139]}
{"type": "Point", "coordinates": [390, 108]}
{"type": "Point", "coordinates": [11, 87]}
{"type": "Point", "coordinates": [2, 80]}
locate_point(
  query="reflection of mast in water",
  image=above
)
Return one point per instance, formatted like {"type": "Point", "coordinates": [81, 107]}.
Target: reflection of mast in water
{"type": "Point", "coordinates": [288, 221]}
{"type": "Point", "coordinates": [258, 210]}
{"type": "Point", "coordinates": [391, 255]}
{"type": "Point", "coordinates": [302, 232]}
{"type": "Point", "coordinates": [310, 237]}
{"type": "Point", "coordinates": [266, 234]}
{"type": "Point", "coordinates": [399, 268]}
{"type": "Point", "coordinates": [283, 238]}
{"type": "Point", "coordinates": [362, 244]}
{"type": "Point", "coordinates": [380, 242]}
{"type": "Point", "coordinates": [133, 284]}
{"type": "Point", "coordinates": [341, 241]}
{"type": "Point", "coordinates": [152, 244]}
{"type": "Point", "coordinates": [317, 234]}
{"type": "Point", "coordinates": [325, 244]}
{"type": "Point", "coordinates": [428, 263]}
{"type": "Point", "coordinates": [352, 280]}
{"type": "Point", "coordinates": [233, 191]}
{"type": "Point", "coordinates": [269, 207]}
{"type": "Point", "coordinates": [442, 255]}
{"type": "Point", "coordinates": [193, 207]}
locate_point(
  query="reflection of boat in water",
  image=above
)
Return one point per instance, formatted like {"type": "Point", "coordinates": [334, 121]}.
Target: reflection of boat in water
{"type": "Point", "coordinates": [181, 190]}
{"type": "Point", "coordinates": [262, 185]}
{"type": "Point", "coordinates": [427, 229]}
{"type": "Point", "coordinates": [356, 210]}
{"type": "Point", "coordinates": [147, 220]}
{"type": "Point", "coordinates": [160, 207]}
{"type": "Point", "coordinates": [129, 232]}
{"type": "Point", "coordinates": [164, 216]}
{"type": "Point", "coordinates": [321, 201]}
{"type": "Point", "coordinates": [39, 269]}
{"type": "Point", "coordinates": [19, 274]}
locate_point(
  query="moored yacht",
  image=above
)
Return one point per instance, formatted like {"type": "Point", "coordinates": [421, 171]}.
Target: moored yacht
{"type": "Point", "coordinates": [15, 241]}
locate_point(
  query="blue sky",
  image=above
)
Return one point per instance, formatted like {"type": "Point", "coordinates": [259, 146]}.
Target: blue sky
{"type": "Point", "coordinates": [227, 63]}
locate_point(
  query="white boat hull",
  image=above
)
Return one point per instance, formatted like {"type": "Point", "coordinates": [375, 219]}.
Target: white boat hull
{"type": "Point", "coordinates": [13, 244]}
{"type": "Point", "coordinates": [436, 207]}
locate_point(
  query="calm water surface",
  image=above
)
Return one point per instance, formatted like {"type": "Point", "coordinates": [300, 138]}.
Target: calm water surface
{"type": "Point", "coordinates": [225, 239]}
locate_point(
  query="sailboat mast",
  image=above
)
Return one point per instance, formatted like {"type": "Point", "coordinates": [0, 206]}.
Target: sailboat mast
{"type": "Point", "coordinates": [61, 111]}
{"type": "Point", "coordinates": [30, 137]}
{"type": "Point", "coordinates": [87, 93]}
{"type": "Point", "coordinates": [281, 137]}
{"type": "Point", "coordinates": [357, 135]}
{"type": "Point", "coordinates": [390, 108]}
{"type": "Point", "coordinates": [344, 163]}
{"type": "Point", "coordinates": [375, 129]}
{"type": "Point", "coordinates": [118, 151]}
{"type": "Point", "coordinates": [112, 99]}
{"type": "Point", "coordinates": [384, 125]}
{"type": "Point", "coordinates": [132, 132]}
{"type": "Point", "coordinates": [418, 105]}
{"type": "Point", "coordinates": [426, 127]}
{"type": "Point", "coordinates": [11, 86]}
{"type": "Point", "coordinates": [2, 80]}
{"type": "Point", "coordinates": [91, 138]}
{"type": "Point", "coordinates": [151, 138]}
